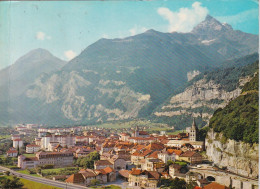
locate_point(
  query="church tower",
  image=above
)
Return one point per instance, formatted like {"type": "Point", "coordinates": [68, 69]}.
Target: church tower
{"type": "Point", "coordinates": [136, 133]}
{"type": "Point", "coordinates": [193, 132]}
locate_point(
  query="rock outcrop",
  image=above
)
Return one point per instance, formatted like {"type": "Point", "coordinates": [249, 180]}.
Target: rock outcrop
{"type": "Point", "coordinates": [200, 99]}
{"type": "Point", "coordinates": [238, 157]}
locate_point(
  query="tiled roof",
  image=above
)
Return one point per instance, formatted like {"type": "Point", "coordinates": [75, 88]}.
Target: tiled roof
{"type": "Point", "coordinates": [102, 162]}
{"type": "Point", "coordinates": [124, 173]}
{"type": "Point", "coordinates": [197, 187]}
{"type": "Point", "coordinates": [76, 178]}
{"type": "Point", "coordinates": [153, 155]}
{"type": "Point", "coordinates": [88, 174]}
{"type": "Point", "coordinates": [11, 151]}
{"type": "Point", "coordinates": [155, 146]}
{"type": "Point", "coordinates": [17, 140]}
{"type": "Point", "coordinates": [153, 175]}
{"type": "Point", "coordinates": [215, 185]}
{"type": "Point", "coordinates": [143, 133]}
{"type": "Point", "coordinates": [177, 152]}
{"type": "Point", "coordinates": [189, 154]}
{"type": "Point", "coordinates": [109, 170]}
{"type": "Point", "coordinates": [32, 145]}
{"type": "Point", "coordinates": [135, 171]}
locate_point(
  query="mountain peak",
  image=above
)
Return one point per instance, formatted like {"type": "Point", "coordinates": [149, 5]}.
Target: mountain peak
{"type": "Point", "coordinates": [210, 25]}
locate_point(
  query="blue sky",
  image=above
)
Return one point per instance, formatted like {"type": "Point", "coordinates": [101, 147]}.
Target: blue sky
{"type": "Point", "coordinates": [65, 28]}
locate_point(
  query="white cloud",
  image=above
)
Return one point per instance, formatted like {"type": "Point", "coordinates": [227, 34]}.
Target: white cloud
{"type": "Point", "coordinates": [132, 31]}
{"type": "Point", "coordinates": [185, 19]}
{"type": "Point", "coordinates": [136, 30]}
{"type": "Point", "coordinates": [42, 36]}
{"type": "Point", "coordinates": [70, 54]}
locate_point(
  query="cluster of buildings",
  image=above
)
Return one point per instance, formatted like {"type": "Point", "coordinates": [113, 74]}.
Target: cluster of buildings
{"type": "Point", "coordinates": [140, 158]}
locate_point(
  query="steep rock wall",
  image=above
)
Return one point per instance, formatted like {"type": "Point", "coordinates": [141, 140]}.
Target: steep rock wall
{"type": "Point", "coordinates": [239, 157]}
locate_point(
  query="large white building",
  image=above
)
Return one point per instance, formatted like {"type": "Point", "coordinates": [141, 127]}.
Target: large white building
{"type": "Point", "coordinates": [63, 140]}
{"type": "Point", "coordinates": [58, 159]}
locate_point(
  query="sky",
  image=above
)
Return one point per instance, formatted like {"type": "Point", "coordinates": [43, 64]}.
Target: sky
{"type": "Point", "coordinates": [65, 28]}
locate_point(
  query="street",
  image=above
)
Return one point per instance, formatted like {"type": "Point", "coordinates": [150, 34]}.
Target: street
{"type": "Point", "coordinates": [44, 180]}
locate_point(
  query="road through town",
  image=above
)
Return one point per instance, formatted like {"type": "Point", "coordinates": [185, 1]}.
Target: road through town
{"type": "Point", "coordinates": [44, 180]}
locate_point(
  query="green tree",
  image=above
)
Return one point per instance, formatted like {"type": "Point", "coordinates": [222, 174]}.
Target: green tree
{"type": "Point", "coordinates": [13, 183]}
{"type": "Point", "coordinates": [7, 173]}
{"type": "Point", "coordinates": [175, 183]}
{"type": "Point", "coordinates": [88, 161]}
{"type": "Point", "coordinates": [94, 182]}
{"type": "Point", "coordinates": [169, 162]}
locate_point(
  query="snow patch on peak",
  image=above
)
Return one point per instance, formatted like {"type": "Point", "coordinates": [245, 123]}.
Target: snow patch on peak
{"type": "Point", "coordinates": [208, 42]}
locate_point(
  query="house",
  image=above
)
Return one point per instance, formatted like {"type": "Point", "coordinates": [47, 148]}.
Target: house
{"type": "Point", "coordinates": [166, 155]}
{"type": "Point", "coordinates": [136, 157]}
{"type": "Point", "coordinates": [111, 175]}
{"type": "Point", "coordinates": [124, 174]}
{"type": "Point", "coordinates": [215, 185]}
{"type": "Point", "coordinates": [124, 136]}
{"type": "Point", "coordinates": [176, 170]}
{"type": "Point", "coordinates": [119, 162]}
{"type": "Point", "coordinates": [145, 179]}
{"type": "Point", "coordinates": [191, 157]}
{"type": "Point", "coordinates": [27, 162]}
{"type": "Point", "coordinates": [88, 175]}
{"type": "Point", "coordinates": [76, 178]}
{"type": "Point", "coordinates": [12, 152]}
{"type": "Point", "coordinates": [32, 148]}
{"type": "Point", "coordinates": [102, 175]}
{"type": "Point", "coordinates": [153, 165]}
{"type": "Point", "coordinates": [101, 164]}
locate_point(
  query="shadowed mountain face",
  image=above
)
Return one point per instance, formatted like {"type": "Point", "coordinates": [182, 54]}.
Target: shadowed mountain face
{"type": "Point", "coordinates": [119, 79]}
{"type": "Point", "coordinates": [15, 79]}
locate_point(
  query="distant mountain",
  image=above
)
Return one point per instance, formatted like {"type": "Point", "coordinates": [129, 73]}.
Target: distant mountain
{"type": "Point", "coordinates": [120, 79]}
{"type": "Point", "coordinates": [15, 79]}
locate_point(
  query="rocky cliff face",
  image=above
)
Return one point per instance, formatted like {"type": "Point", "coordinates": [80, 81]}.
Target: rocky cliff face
{"type": "Point", "coordinates": [200, 99]}
{"type": "Point", "coordinates": [239, 157]}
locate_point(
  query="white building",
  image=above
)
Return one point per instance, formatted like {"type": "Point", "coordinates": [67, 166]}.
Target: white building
{"type": "Point", "coordinates": [32, 148]}
{"type": "Point", "coordinates": [12, 152]}
{"type": "Point", "coordinates": [166, 155]}
{"type": "Point", "coordinates": [17, 143]}
{"type": "Point", "coordinates": [15, 137]}
{"type": "Point", "coordinates": [63, 140]}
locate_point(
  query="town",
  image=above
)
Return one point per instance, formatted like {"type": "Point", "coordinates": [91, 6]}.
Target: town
{"type": "Point", "coordinates": [129, 158]}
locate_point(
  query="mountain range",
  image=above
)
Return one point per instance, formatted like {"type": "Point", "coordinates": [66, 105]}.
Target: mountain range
{"type": "Point", "coordinates": [116, 79]}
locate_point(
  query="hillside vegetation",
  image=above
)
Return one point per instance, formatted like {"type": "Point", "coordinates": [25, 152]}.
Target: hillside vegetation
{"type": "Point", "coordinates": [239, 120]}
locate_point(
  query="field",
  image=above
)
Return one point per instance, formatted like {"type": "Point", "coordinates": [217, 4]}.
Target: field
{"type": "Point", "coordinates": [27, 173]}
{"type": "Point", "coordinates": [31, 184]}
{"type": "Point", "coordinates": [29, 155]}
{"type": "Point", "coordinates": [4, 136]}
